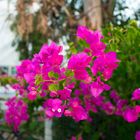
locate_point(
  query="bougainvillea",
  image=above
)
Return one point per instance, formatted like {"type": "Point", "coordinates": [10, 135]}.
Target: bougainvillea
{"type": "Point", "coordinates": [73, 90]}
{"type": "Point", "coordinates": [137, 136]}
{"type": "Point", "coordinates": [16, 112]}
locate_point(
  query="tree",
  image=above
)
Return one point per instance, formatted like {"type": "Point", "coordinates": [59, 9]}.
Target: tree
{"type": "Point", "coordinates": [54, 18]}
{"type": "Point", "coordinates": [93, 11]}
{"type": "Point", "coordinates": [51, 21]}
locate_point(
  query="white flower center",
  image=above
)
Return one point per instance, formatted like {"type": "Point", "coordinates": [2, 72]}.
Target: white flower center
{"type": "Point", "coordinates": [59, 110]}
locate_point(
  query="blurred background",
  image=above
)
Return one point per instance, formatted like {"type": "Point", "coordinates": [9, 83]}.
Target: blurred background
{"type": "Point", "coordinates": [27, 24]}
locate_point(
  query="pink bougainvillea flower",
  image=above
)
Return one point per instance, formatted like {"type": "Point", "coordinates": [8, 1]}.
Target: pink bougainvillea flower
{"type": "Point", "coordinates": [114, 96]}
{"type": "Point", "coordinates": [89, 105]}
{"type": "Point", "coordinates": [36, 59]}
{"type": "Point", "coordinates": [93, 38]}
{"type": "Point", "coordinates": [137, 107]}
{"type": "Point", "coordinates": [73, 138]}
{"type": "Point", "coordinates": [25, 67]}
{"type": "Point", "coordinates": [42, 94]}
{"type": "Point", "coordinates": [88, 35]}
{"type": "Point", "coordinates": [71, 85]}
{"type": "Point", "coordinates": [82, 74]}
{"type": "Point", "coordinates": [98, 87]}
{"type": "Point", "coordinates": [29, 77]}
{"type": "Point", "coordinates": [78, 64]}
{"type": "Point", "coordinates": [77, 112]}
{"type": "Point", "coordinates": [79, 61]}
{"type": "Point", "coordinates": [105, 64]}
{"type": "Point", "coordinates": [65, 93]}
{"type": "Point", "coordinates": [48, 53]}
{"type": "Point", "coordinates": [97, 46]}
{"type": "Point", "coordinates": [53, 108]}
{"type": "Point", "coordinates": [19, 88]}
{"type": "Point", "coordinates": [84, 33]}
{"type": "Point", "coordinates": [16, 112]}
{"type": "Point", "coordinates": [98, 101]}
{"type": "Point", "coordinates": [53, 94]}
{"type": "Point", "coordinates": [84, 88]}
{"type": "Point", "coordinates": [137, 135]}
{"type": "Point", "coordinates": [32, 95]}
{"type": "Point", "coordinates": [130, 114]}
{"type": "Point", "coordinates": [136, 94]}
{"type": "Point", "coordinates": [120, 105]}
{"type": "Point", "coordinates": [109, 108]}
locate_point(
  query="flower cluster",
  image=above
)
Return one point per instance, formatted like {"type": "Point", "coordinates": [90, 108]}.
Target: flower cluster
{"type": "Point", "coordinates": [16, 112]}
{"type": "Point", "coordinates": [74, 90]}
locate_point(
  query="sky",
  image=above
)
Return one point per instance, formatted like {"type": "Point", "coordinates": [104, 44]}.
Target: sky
{"type": "Point", "coordinates": [132, 5]}
{"type": "Point", "coordinates": [8, 56]}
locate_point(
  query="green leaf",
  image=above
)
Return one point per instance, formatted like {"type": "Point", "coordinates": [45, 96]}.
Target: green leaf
{"type": "Point", "coordinates": [95, 136]}
{"type": "Point", "coordinates": [38, 80]}
{"type": "Point", "coordinates": [89, 71]}
{"type": "Point", "coordinates": [61, 84]}
{"type": "Point", "coordinates": [53, 87]}
{"type": "Point", "coordinates": [52, 74]}
{"type": "Point", "coordinates": [69, 73]}
{"type": "Point", "coordinates": [82, 43]}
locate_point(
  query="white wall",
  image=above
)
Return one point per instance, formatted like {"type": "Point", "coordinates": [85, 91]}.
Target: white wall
{"type": "Point", "coordinates": [8, 55]}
